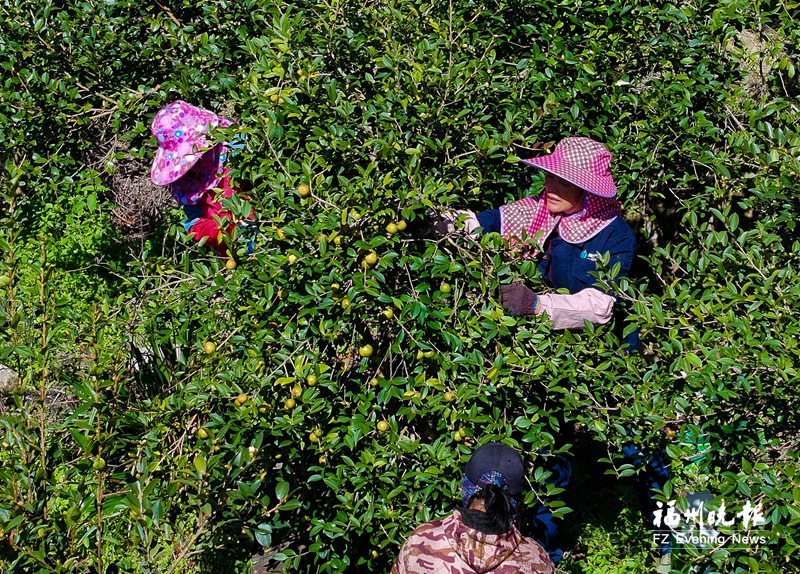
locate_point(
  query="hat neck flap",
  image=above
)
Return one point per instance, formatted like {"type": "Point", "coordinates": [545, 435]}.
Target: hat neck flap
{"type": "Point", "coordinates": [530, 217]}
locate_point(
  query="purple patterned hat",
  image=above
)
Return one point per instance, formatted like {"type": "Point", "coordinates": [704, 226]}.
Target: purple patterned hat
{"type": "Point", "coordinates": [581, 161]}
{"type": "Point", "coordinates": [180, 130]}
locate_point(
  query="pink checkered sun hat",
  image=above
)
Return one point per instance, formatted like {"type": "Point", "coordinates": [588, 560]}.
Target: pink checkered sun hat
{"type": "Point", "coordinates": [582, 162]}
{"type": "Point", "coordinates": [180, 130]}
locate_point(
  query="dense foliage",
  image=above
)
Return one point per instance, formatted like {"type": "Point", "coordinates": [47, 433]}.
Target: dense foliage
{"type": "Point", "coordinates": [128, 447]}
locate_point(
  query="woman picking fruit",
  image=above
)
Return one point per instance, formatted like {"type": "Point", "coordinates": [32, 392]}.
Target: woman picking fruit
{"type": "Point", "coordinates": [194, 169]}
{"type": "Point", "coordinates": [482, 535]}
{"type": "Point", "coordinates": [573, 223]}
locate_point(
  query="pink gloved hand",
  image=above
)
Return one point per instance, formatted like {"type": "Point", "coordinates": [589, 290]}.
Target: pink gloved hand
{"type": "Point", "coordinates": [449, 219]}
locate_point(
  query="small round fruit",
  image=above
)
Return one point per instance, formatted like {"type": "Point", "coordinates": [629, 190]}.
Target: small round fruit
{"type": "Point", "coordinates": [230, 264]}
{"type": "Point", "coordinates": [241, 399]}
{"type": "Point", "coordinates": [274, 97]}
{"type": "Point", "coordinates": [449, 396]}
{"type": "Point", "coordinates": [383, 426]}
{"type": "Point", "coordinates": [457, 437]}
{"type": "Point", "coordinates": [420, 354]}
{"type": "Point", "coordinates": [283, 293]}
{"type": "Point", "coordinates": [445, 287]}
{"type": "Point", "coordinates": [335, 286]}
{"type": "Point", "coordinates": [311, 380]}
{"type": "Point", "coordinates": [99, 463]}
{"type": "Point", "coordinates": [401, 225]}
{"type": "Point", "coordinates": [297, 391]}
{"type": "Point", "coordinates": [318, 432]}
{"type": "Point", "coordinates": [263, 409]}
{"type": "Point", "coordinates": [209, 347]}
{"type": "Point", "coordinates": [373, 382]}
{"type": "Point", "coordinates": [429, 354]}
{"type": "Point", "coordinates": [388, 313]}
{"type": "Point", "coordinates": [202, 433]}
{"type": "Point", "coordinates": [289, 404]}
{"type": "Point", "coordinates": [345, 303]}
{"type": "Point", "coordinates": [313, 438]}
{"type": "Point", "coordinates": [374, 553]}
{"type": "Point", "coordinates": [338, 240]}
{"type": "Point", "coordinates": [392, 228]}
{"type": "Point", "coordinates": [371, 258]}
{"type": "Point", "coordinates": [292, 258]}
{"type": "Point", "coordinates": [365, 351]}
{"type": "Point", "coordinates": [462, 432]}
{"type": "Point", "coordinates": [303, 189]}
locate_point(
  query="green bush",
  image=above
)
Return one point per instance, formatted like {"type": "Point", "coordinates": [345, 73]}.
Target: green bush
{"type": "Point", "coordinates": [130, 448]}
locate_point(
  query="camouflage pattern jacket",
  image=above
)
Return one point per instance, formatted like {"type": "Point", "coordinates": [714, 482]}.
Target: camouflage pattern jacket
{"type": "Point", "coordinates": [451, 547]}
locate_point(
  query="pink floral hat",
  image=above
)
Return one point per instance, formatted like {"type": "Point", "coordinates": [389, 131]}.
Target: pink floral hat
{"type": "Point", "coordinates": [180, 130]}
{"type": "Point", "coordinates": [582, 162]}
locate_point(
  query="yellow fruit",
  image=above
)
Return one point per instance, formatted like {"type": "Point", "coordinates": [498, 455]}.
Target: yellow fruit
{"type": "Point", "coordinates": [371, 258]}
{"type": "Point", "coordinates": [274, 98]}
{"type": "Point", "coordinates": [230, 264]}
{"type": "Point", "coordinates": [388, 313]}
{"type": "Point", "coordinates": [420, 354]}
{"type": "Point", "coordinates": [365, 351]}
{"type": "Point", "coordinates": [283, 293]}
{"type": "Point", "coordinates": [99, 463]}
{"type": "Point", "coordinates": [373, 383]}
{"type": "Point", "coordinates": [263, 409]}
{"type": "Point", "coordinates": [338, 240]}
{"type": "Point", "coordinates": [202, 433]}
{"type": "Point", "coordinates": [297, 391]}
{"type": "Point", "coordinates": [303, 189]}
{"type": "Point", "coordinates": [401, 225]}
{"type": "Point", "coordinates": [462, 432]}
{"type": "Point", "coordinates": [241, 399]}
{"type": "Point", "coordinates": [209, 347]}
{"type": "Point", "coordinates": [335, 286]}
{"type": "Point", "coordinates": [457, 437]}
{"type": "Point", "coordinates": [445, 287]}
{"type": "Point", "coordinates": [374, 553]}
{"type": "Point", "coordinates": [449, 396]}
{"type": "Point", "coordinates": [392, 228]}
{"type": "Point", "coordinates": [289, 404]}
{"type": "Point", "coordinates": [311, 380]}
{"type": "Point", "coordinates": [345, 303]}
{"type": "Point", "coordinates": [292, 259]}
{"type": "Point", "coordinates": [313, 438]}
{"type": "Point", "coordinates": [429, 354]}
{"type": "Point", "coordinates": [318, 432]}
{"type": "Point", "coordinates": [383, 426]}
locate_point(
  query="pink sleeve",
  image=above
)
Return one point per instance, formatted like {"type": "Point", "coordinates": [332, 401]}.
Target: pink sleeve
{"type": "Point", "coordinates": [569, 311]}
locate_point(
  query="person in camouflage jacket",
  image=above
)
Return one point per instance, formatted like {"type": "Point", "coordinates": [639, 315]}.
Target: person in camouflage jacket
{"type": "Point", "coordinates": [481, 537]}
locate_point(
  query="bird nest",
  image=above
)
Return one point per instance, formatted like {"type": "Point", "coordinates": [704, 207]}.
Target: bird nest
{"type": "Point", "coordinates": [140, 205]}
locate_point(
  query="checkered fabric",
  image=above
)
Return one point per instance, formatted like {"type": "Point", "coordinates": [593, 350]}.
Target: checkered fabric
{"type": "Point", "coordinates": [529, 219]}
{"type": "Point", "coordinates": [582, 162]}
